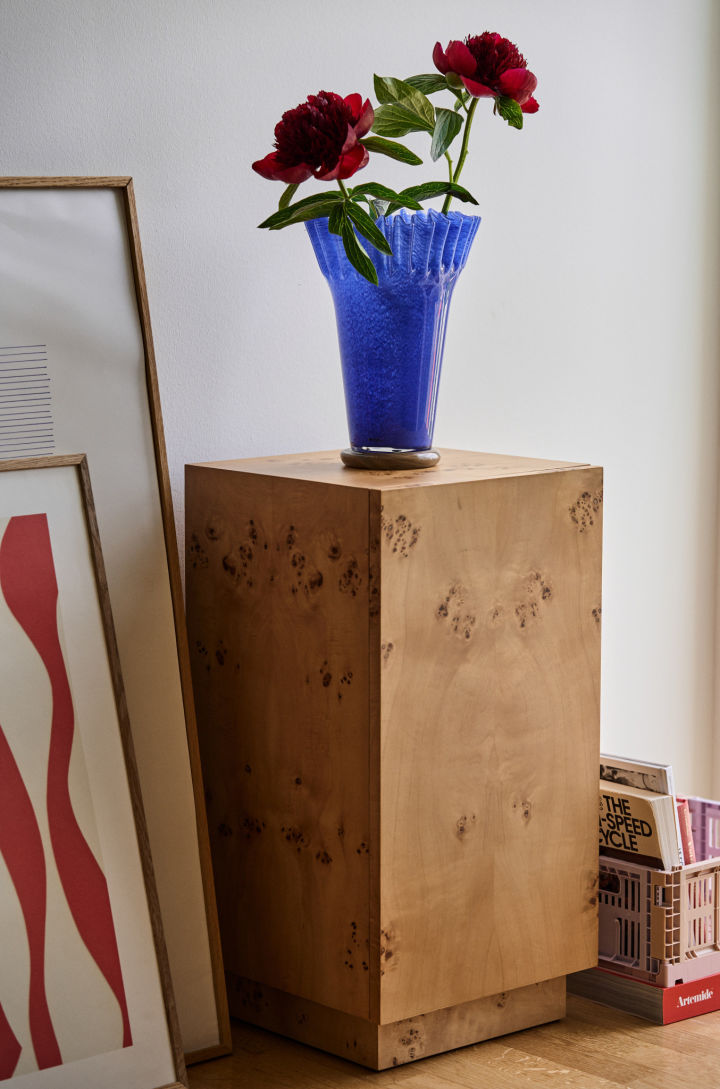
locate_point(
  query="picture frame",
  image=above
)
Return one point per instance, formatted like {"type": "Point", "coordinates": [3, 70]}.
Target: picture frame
{"type": "Point", "coordinates": [85, 992]}
{"type": "Point", "coordinates": [77, 372]}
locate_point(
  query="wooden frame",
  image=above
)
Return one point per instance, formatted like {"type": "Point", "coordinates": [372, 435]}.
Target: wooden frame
{"type": "Point", "coordinates": [98, 316]}
{"type": "Point", "coordinates": [85, 992]}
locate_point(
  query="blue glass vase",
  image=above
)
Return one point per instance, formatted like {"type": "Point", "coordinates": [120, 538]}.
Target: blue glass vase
{"type": "Point", "coordinates": [392, 335]}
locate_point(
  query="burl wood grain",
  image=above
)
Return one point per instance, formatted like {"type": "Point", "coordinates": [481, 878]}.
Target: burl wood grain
{"type": "Point", "coordinates": [278, 615]}
{"type": "Point", "coordinates": [382, 1046]}
{"type": "Point", "coordinates": [489, 736]}
{"type": "Point", "coordinates": [398, 698]}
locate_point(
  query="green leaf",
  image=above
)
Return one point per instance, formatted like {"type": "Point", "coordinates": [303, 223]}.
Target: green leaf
{"type": "Point", "coordinates": [380, 207]}
{"type": "Point", "coordinates": [295, 213]}
{"type": "Point", "coordinates": [367, 228]}
{"type": "Point", "coordinates": [336, 219]}
{"type": "Point", "coordinates": [316, 198]}
{"type": "Point", "coordinates": [382, 192]}
{"type": "Point", "coordinates": [438, 189]}
{"type": "Point", "coordinates": [428, 83]}
{"type": "Point", "coordinates": [510, 110]}
{"type": "Point", "coordinates": [301, 215]}
{"type": "Point", "coordinates": [403, 108]}
{"type": "Point", "coordinates": [357, 256]}
{"type": "Point", "coordinates": [288, 195]}
{"type": "Point", "coordinates": [389, 91]}
{"type": "Point", "coordinates": [397, 120]}
{"type": "Point", "coordinates": [447, 126]}
{"type": "Point", "coordinates": [392, 149]}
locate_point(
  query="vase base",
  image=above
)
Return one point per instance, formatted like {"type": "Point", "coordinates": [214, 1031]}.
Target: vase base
{"type": "Point", "coordinates": [389, 459]}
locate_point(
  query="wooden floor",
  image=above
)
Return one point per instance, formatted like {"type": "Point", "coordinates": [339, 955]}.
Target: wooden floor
{"type": "Point", "coordinates": [593, 1048]}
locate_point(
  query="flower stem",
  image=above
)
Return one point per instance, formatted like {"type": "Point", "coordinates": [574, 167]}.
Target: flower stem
{"type": "Point", "coordinates": [450, 166]}
{"type": "Point", "coordinates": [466, 138]}
{"type": "Point", "coordinates": [343, 190]}
{"type": "Point", "coordinates": [463, 152]}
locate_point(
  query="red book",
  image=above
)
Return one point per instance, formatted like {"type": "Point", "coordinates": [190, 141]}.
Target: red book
{"type": "Point", "coordinates": [663, 1005]}
{"type": "Point", "coordinates": [686, 836]}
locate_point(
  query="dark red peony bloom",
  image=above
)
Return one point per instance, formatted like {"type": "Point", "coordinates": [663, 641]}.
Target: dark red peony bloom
{"type": "Point", "coordinates": [319, 138]}
{"type": "Point", "coordinates": [489, 65]}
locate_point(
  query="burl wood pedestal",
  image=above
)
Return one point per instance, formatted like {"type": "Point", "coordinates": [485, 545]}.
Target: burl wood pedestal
{"type": "Point", "coordinates": [397, 686]}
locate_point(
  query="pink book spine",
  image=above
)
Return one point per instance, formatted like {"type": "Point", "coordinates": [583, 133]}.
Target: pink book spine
{"type": "Point", "coordinates": [684, 820]}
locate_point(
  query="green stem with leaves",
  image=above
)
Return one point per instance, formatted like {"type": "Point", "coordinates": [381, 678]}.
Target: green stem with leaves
{"type": "Point", "coordinates": [463, 152]}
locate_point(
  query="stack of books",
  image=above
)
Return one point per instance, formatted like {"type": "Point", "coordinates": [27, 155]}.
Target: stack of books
{"type": "Point", "coordinates": [640, 814]}
{"type": "Point", "coordinates": [659, 954]}
{"type": "Point", "coordinates": [663, 1005]}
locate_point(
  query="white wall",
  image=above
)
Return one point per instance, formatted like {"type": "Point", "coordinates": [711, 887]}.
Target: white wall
{"type": "Point", "coordinates": [584, 328]}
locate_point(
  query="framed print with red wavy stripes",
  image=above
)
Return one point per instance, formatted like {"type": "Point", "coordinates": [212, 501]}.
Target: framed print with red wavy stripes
{"type": "Point", "coordinates": [85, 993]}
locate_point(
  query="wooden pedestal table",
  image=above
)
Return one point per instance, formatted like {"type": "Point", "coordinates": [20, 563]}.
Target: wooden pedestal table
{"type": "Point", "coordinates": [397, 687]}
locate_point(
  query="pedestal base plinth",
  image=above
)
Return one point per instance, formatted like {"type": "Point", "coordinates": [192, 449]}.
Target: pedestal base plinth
{"type": "Point", "coordinates": [381, 1046]}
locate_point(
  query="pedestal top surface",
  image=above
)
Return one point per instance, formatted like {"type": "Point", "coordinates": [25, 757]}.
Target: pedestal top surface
{"type": "Point", "coordinates": [455, 467]}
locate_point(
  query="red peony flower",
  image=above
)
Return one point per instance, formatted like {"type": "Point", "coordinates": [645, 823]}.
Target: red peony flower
{"type": "Point", "coordinates": [489, 65]}
{"type": "Point", "coordinates": [319, 138]}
